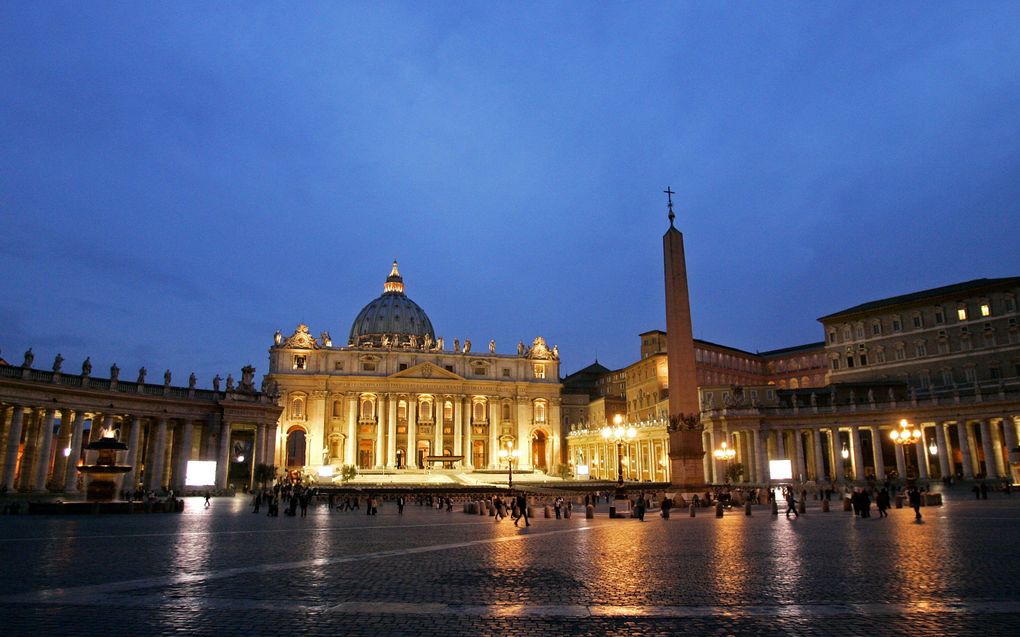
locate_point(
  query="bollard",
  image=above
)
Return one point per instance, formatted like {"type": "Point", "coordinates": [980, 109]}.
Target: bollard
{"type": "Point", "coordinates": [846, 505]}
{"type": "Point", "coordinates": [484, 506]}
{"type": "Point", "coordinates": [491, 509]}
{"type": "Point", "coordinates": [775, 508]}
{"type": "Point", "coordinates": [589, 512]}
{"type": "Point", "coordinates": [531, 511]}
{"type": "Point", "coordinates": [546, 512]}
{"type": "Point", "coordinates": [718, 510]}
{"type": "Point", "coordinates": [801, 507]}
{"type": "Point", "coordinates": [825, 506]}
{"type": "Point", "coordinates": [747, 508]}
{"type": "Point", "coordinates": [692, 510]}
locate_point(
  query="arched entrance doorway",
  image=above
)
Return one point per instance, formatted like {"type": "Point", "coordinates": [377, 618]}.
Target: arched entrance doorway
{"type": "Point", "coordinates": [538, 450]}
{"type": "Point", "coordinates": [296, 446]}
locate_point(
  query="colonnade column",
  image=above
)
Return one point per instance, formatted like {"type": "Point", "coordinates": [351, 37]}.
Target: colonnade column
{"type": "Point", "coordinates": [940, 441]}
{"type": "Point", "coordinates": [901, 463]}
{"type": "Point", "coordinates": [798, 448]}
{"type": "Point", "coordinates": [759, 456]}
{"type": "Point", "coordinates": [837, 457]}
{"type": "Point", "coordinates": [1001, 467]}
{"type": "Point", "coordinates": [876, 451]}
{"type": "Point", "coordinates": [857, 453]}
{"type": "Point", "coordinates": [986, 445]}
{"type": "Point", "coordinates": [1009, 434]}
{"type": "Point", "coordinates": [921, 448]}
{"type": "Point", "coordinates": [271, 433]}
{"type": "Point", "coordinates": [42, 468]}
{"type": "Point", "coordinates": [56, 481]}
{"type": "Point", "coordinates": [185, 428]}
{"type": "Point", "coordinates": [222, 462]}
{"type": "Point", "coordinates": [380, 424]}
{"type": "Point", "coordinates": [391, 432]}
{"type": "Point", "coordinates": [71, 467]}
{"type": "Point", "coordinates": [412, 432]}
{"type": "Point", "coordinates": [816, 443]}
{"type": "Point", "coordinates": [968, 464]}
{"type": "Point", "coordinates": [13, 442]}
{"type": "Point", "coordinates": [438, 413]}
{"type": "Point", "coordinates": [131, 458]}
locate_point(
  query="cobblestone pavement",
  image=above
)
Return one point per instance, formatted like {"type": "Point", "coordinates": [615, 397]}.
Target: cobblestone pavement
{"type": "Point", "coordinates": [224, 570]}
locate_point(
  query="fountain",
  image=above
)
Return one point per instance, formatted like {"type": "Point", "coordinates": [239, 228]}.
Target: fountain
{"type": "Point", "coordinates": [103, 479]}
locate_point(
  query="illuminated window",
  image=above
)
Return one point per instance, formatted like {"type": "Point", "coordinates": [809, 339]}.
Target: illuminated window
{"type": "Point", "coordinates": [338, 366]}
{"type": "Point", "coordinates": [539, 370]}
{"type": "Point", "coordinates": [300, 362]}
{"type": "Point", "coordinates": [367, 408]}
{"type": "Point", "coordinates": [986, 309]}
{"type": "Point", "coordinates": [402, 410]}
{"type": "Point", "coordinates": [297, 409]}
{"type": "Point", "coordinates": [447, 410]}
{"type": "Point", "coordinates": [479, 412]}
{"type": "Point", "coordinates": [539, 411]}
{"type": "Point", "coordinates": [961, 313]}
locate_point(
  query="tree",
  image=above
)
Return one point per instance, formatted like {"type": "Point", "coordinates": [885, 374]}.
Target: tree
{"type": "Point", "coordinates": [348, 472]}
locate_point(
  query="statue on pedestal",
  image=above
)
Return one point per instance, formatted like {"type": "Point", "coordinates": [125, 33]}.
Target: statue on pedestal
{"type": "Point", "coordinates": [192, 381]}
{"type": "Point", "coordinates": [29, 358]}
{"type": "Point", "coordinates": [114, 372]}
{"type": "Point", "coordinates": [216, 382]}
{"type": "Point", "coordinates": [57, 363]}
{"type": "Point", "coordinates": [230, 383]}
{"type": "Point", "coordinates": [492, 346]}
{"type": "Point", "coordinates": [166, 378]}
{"type": "Point", "coordinates": [86, 367]}
{"type": "Point", "coordinates": [141, 376]}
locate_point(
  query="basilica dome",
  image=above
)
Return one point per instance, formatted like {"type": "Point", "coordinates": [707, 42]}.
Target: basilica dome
{"type": "Point", "coordinates": [392, 318]}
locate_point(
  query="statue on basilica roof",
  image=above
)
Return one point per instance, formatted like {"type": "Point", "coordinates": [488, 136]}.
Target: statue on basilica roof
{"type": "Point", "coordinates": [539, 349]}
{"type": "Point", "coordinates": [29, 358]}
{"type": "Point", "coordinates": [492, 346]}
{"type": "Point", "coordinates": [301, 339]}
{"type": "Point", "coordinates": [141, 376]}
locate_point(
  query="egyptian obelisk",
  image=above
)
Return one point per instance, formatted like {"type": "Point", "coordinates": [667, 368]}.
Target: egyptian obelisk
{"type": "Point", "coordinates": [685, 447]}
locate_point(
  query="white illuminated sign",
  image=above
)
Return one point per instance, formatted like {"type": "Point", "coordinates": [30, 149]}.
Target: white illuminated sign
{"type": "Point", "coordinates": [582, 470]}
{"type": "Point", "coordinates": [200, 473]}
{"type": "Point", "coordinates": [326, 471]}
{"type": "Point", "coordinates": [781, 469]}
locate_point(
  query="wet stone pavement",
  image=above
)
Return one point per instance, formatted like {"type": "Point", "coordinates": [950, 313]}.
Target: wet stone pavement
{"type": "Point", "coordinates": [224, 570]}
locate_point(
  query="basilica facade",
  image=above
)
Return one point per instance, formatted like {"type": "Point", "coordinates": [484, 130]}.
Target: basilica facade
{"type": "Point", "coordinates": [395, 397]}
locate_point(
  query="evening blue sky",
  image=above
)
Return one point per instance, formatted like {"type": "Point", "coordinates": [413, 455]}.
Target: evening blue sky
{"type": "Point", "coordinates": [178, 180]}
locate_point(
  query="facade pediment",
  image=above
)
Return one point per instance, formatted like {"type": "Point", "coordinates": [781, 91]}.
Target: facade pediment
{"type": "Point", "coordinates": [428, 371]}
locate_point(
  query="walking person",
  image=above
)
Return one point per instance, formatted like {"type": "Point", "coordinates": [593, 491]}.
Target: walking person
{"type": "Point", "coordinates": [522, 508]}
{"type": "Point", "coordinates": [667, 504]}
{"type": "Point", "coordinates": [791, 505]}
{"type": "Point", "coordinates": [882, 502]}
{"type": "Point", "coordinates": [558, 506]}
{"type": "Point", "coordinates": [400, 505]}
{"type": "Point", "coordinates": [258, 501]}
{"type": "Point", "coordinates": [914, 497]}
{"type": "Point", "coordinates": [639, 508]}
{"type": "Point", "coordinates": [207, 496]}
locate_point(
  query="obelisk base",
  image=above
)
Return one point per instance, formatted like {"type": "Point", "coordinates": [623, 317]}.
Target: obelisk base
{"type": "Point", "coordinates": [686, 460]}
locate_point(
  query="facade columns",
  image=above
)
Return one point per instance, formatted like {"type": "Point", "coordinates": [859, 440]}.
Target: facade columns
{"type": "Point", "coordinates": [56, 481]}
{"type": "Point", "coordinates": [968, 462]}
{"type": "Point", "coordinates": [901, 462]}
{"type": "Point", "coordinates": [42, 468]}
{"type": "Point", "coordinates": [495, 418]}
{"type": "Point", "coordinates": [816, 443]}
{"type": "Point", "coordinates": [438, 415]}
{"type": "Point", "coordinates": [185, 429]}
{"type": "Point", "coordinates": [13, 443]}
{"type": "Point", "coordinates": [380, 423]}
{"type": "Point", "coordinates": [1001, 466]}
{"type": "Point", "coordinates": [876, 451]}
{"type": "Point", "coordinates": [1009, 433]}
{"type": "Point", "coordinates": [758, 446]}
{"type": "Point", "coordinates": [412, 432]}
{"type": "Point", "coordinates": [351, 453]}
{"type": "Point", "coordinates": [391, 432]}
{"type": "Point", "coordinates": [781, 444]}
{"type": "Point", "coordinates": [469, 414]}
{"type": "Point", "coordinates": [921, 448]}
{"type": "Point", "coordinates": [155, 476]}
{"type": "Point", "coordinates": [71, 467]}
{"type": "Point", "coordinates": [30, 455]}
{"type": "Point", "coordinates": [458, 426]}
{"type": "Point", "coordinates": [857, 453]}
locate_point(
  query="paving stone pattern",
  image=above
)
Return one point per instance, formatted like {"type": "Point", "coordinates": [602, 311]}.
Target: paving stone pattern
{"type": "Point", "coordinates": [225, 571]}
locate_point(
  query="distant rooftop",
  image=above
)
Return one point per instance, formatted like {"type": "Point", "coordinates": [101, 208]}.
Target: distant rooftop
{"type": "Point", "coordinates": [795, 348]}
{"type": "Point", "coordinates": [913, 297]}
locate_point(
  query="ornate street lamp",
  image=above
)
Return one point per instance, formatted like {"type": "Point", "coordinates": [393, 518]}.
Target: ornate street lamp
{"type": "Point", "coordinates": [905, 436]}
{"type": "Point", "coordinates": [509, 454]}
{"type": "Point", "coordinates": [725, 454]}
{"type": "Point", "coordinates": [618, 433]}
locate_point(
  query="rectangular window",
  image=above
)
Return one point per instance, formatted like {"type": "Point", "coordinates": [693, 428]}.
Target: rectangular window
{"type": "Point", "coordinates": [863, 359]}
{"type": "Point", "coordinates": [338, 366]}
{"type": "Point", "coordinates": [300, 362]}
{"type": "Point", "coordinates": [896, 325]}
{"type": "Point", "coordinates": [832, 336]}
{"type": "Point", "coordinates": [368, 367]}
{"type": "Point", "coordinates": [925, 380]}
{"type": "Point", "coordinates": [835, 363]}
{"type": "Point", "coordinates": [448, 368]}
{"type": "Point", "coordinates": [970, 374]}
{"type": "Point", "coordinates": [940, 316]}
{"type": "Point", "coordinates": [880, 356]}
{"type": "Point", "coordinates": [860, 331]}
{"type": "Point", "coordinates": [918, 323]}
{"type": "Point", "coordinates": [994, 373]}
{"type": "Point", "coordinates": [961, 314]}
{"type": "Point", "coordinates": [947, 377]}
{"type": "Point", "coordinates": [849, 361]}
{"type": "Point", "coordinates": [876, 329]}
{"type": "Point", "coordinates": [402, 367]}
{"type": "Point", "coordinates": [506, 373]}
{"type": "Point", "coordinates": [920, 349]}
{"type": "Point", "coordinates": [1010, 305]}
{"type": "Point", "coordinates": [943, 347]}
{"type": "Point", "coordinates": [771, 395]}
{"type": "Point", "coordinates": [900, 353]}
{"type": "Point", "coordinates": [986, 309]}
{"type": "Point", "coordinates": [479, 371]}
{"type": "Point", "coordinates": [539, 370]}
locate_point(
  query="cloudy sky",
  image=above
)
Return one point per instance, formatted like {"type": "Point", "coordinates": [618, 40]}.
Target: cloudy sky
{"type": "Point", "coordinates": [178, 180]}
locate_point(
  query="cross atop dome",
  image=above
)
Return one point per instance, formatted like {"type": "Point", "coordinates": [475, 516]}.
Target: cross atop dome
{"type": "Point", "coordinates": [394, 282]}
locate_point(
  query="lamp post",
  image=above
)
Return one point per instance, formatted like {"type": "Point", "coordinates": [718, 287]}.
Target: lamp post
{"type": "Point", "coordinates": [509, 454]}
{"type": "Point", "coordinates": [618, 433]}
{"type": "Point", "coordinates": [724, 453]}
{"type": "Point", "coordinates": [905, 436]}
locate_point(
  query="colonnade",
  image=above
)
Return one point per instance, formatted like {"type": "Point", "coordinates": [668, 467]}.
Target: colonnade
{"type": "Point", "coordinates": [42, 446]}
{"type": "Point", "coordinates": [645, 458]}
{"type": "Point", "coordinates": [966, 448]}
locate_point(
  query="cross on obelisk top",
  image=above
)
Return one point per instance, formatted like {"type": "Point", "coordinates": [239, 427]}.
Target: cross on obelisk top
{"type": "Point", "coordinates": [669, 194]}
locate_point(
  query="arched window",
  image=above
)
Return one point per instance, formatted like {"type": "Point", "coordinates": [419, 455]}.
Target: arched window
{"type": "Point", "coordinates": [402, 410]}
{"type": "Point", "coordinates": [296, 447]}
{"type": "Point", "coordinates": [539, 411]}
{"type": "Point", "coordinates": [338, 408]}
{"type": "Point", "coordinates": [479, 412]}
{"type": "Point", "coordinates": [506, 411]}
{"type": "Point", "coordinates": [297, 408]}
{"type": "Point", "coordinates": [448, 411]}
{"type": "Point", "coordinates": [425, 410]}
{"type": "Point", "coordinates": [367, 408]}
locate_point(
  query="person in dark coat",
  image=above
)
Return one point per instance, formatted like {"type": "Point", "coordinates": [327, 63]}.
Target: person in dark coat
{"type": "Point", "coordinates": [667, 504]}
{"type": "Point", "coordinates": [914, 497]}
{"type": "Point", "coordinates": [522, 508]}
{"type": "Point", "coordinates": [882, 502]}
